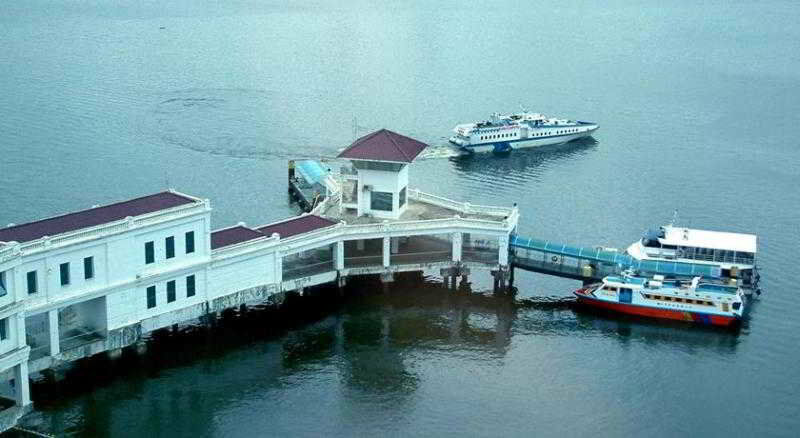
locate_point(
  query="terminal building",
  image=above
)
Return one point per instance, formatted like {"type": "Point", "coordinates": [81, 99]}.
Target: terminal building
{"type": "Point", "coordinates": [101, 279]}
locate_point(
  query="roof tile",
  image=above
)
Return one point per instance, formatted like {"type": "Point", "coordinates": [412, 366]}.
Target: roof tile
{"type": "Point", "coordinates": [384, 145]}
{"type": "Point", "coordinates": [93, 217]}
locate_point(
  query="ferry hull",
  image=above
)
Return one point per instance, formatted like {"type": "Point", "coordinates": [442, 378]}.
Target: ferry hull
{"type": "Point", "coordinates": [526, 143]}
{"type": "Point", "coordinates": [651, 312]}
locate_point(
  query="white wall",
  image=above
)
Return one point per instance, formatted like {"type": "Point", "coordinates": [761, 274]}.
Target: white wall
{"type": "Point", "coordinates": [382, 181]}
{"type": "Point", "coordinates": [130, 305]}
{"type": "Point", "coordinates": [243, 272]}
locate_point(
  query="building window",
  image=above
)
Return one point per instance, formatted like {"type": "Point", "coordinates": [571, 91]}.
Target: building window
{"type": "Point", "coordinates": [64, 270]}
{"type": "Point", "coordinates": [402, 197]}
{"type": "Point", "coordinates": [149, 253]}
{"type": "Point", "coordinates": [170, 247]}
{"type": "Point", "coordinates": [189, 242]}
{"type": "Point", "coordinates": [3, 290]}
{"type": "Point", "coordinates": [151, 297]}
{"type": "Point", "coordinates": [33, 285]}
{"type": "Point", "coordinates": [190, 286]}
{"type": "Point", "coordinates": [171, 291]}
{"type": "Point", "coordinates": [381, 201]}
{"type": "Point", "coordinates": [3, 329]}
{"type": "Point", "coordinates": [88, 268]}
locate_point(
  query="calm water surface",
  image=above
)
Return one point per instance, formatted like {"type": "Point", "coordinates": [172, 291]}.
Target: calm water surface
{"type": "Point", "coordinates": [698, 106]}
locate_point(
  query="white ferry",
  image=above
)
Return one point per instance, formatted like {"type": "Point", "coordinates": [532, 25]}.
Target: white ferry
{"type": "Point", "coordinates": [502, 133]}
{"type": "Point", "coordinates": [695, 300]}
{"type": "Point", "coordinates": [733, 253]}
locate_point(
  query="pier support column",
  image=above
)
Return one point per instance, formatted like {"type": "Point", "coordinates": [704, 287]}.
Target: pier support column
{"type": "Point", "coordinates": [52, 325]}
{"type": "Point", "coordinates": [339, 255]}
{"type": "Point", "coordinates": [502, 256]}
{"type": "Point", "coordinates": [457, 246]}
{"type": "Point", "coordinates": [22, 391]}
{"type": "Point", "coordinates": [386, 252]}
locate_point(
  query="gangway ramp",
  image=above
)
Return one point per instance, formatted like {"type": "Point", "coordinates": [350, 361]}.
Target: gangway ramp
{"type": "Point", "coordinates": [587, 263]}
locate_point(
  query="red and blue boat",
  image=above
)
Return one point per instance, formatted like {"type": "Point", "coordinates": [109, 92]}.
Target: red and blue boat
{"type": "Point", "coordinates": [694, 300]}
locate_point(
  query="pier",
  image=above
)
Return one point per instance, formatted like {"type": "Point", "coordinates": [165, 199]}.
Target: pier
{"type": "Point", "coordinates": [103, 279]}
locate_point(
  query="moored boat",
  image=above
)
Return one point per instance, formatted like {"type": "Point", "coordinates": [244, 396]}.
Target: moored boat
{"type": "Point", "coordinates": [697, 300]}
{"type": "Point", "coordinates": [732, 254]}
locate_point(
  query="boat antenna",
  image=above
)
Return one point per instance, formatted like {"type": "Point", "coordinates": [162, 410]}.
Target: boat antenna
{"type": "Point", "coordinates": [522, 107]}
{"type": "Point", "coordinates": [674, 217]}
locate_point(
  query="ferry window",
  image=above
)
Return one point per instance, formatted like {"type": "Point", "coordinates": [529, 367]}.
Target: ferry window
{"type": "Point", "coordinates": [88, 268]}
{"type": "Point", "coordinates": [64, 271]}
{"type": "Point", "coordinates": [402, 199]}
{"type": "Point", "coordinates": [171, 291]}
{"type": "Point", "coordinates": [667, 298]}
{"type": "Point", "coordinates": [3, 329]}
{"type": "Point", "coordinates": [170, 246]}
{"type": "Point", "coordinates": [189, 242]}
{"type": "Point", "coordinates": [33, 285]}
{"type": "Point", "coordinates": [678, 300]}
{"type": "Point", "coordinates": [149, 253]}
{"type": "Point", "coordinates": [151, 297]}
{"type": "Point", "coordinates": [657, 297]}
{"type": "Point", "coordinates": [689, 301]}
{"type": "Point", "coordinates": [190, 286]}
{"type": "Point", "coordinates": [381, 201]}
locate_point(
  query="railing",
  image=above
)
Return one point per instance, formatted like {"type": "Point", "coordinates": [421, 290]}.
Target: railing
{"type": "Point", "coordinates": [39, 352]}
{"type": "Point", "coordinates": [480, 254]}
{"type": "Point", "coordinates": [305, 270]}
{"type": "Point", "coordinates": [463, 207]}
{"type": "Point", "coordinates": [79, 340]}
{"type": "Point", "coordinates": [421, 257]}
{"type": "Point", "coordinates": [360, 261]}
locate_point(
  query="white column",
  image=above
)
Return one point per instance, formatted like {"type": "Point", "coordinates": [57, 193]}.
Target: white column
{"type": "Point", "coordinates": [278, 267]}
{"type": "Point", "coordinates": [457, 245]}
{"type": "Point", "coordinates": [395, 245]}
{"type": "Point", "coordinates": [22, 390]}
{"type": "Point", "coordinates": [502, 243]}
{"type": "Point", "coordinates": [386, 251]}
{"type": "Point", "coordinates": [55, 341]}
{"type": "Point", "coordinates": [339, 255]}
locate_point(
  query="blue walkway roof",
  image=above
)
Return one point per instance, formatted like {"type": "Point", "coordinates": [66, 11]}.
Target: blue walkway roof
{"type": "Point", "coordinates": [312, 171]}
{"type": "Point", "coordinates": [622, 259]}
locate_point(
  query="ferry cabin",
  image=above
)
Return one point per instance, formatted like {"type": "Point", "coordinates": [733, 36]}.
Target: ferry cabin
{"type": "Point", "coordinates": [734, 253]}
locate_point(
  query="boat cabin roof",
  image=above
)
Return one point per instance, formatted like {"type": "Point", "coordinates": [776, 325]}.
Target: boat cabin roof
{"type": "Point", "coordinates": [680, 236]}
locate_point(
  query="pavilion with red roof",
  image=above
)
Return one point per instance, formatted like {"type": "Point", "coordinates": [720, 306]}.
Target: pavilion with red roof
{"type": "Point", "coordinates": [381, 162]}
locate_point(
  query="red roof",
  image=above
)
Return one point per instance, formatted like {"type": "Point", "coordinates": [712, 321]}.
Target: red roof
{"type": "Point", "coordinates": [298, 225]}
{"type": "Point", "coordinates": [384, 145]}
{"type": "Point", "coordinates": [234, 235]}
{"type": "Point", "coordinates": [93, 217]}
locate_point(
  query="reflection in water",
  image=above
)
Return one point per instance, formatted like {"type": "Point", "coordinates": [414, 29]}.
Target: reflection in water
{"type": "Point", "coordinates": [521, 165]}
{"type": "Point", "coordinates": [682, 335]}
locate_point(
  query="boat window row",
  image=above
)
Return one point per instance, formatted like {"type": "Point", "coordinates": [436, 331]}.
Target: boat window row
{"type": "Point", "coordinates": [704, 254]}
{"type": "Point", "coordinates": [492, 137]}
{"type": "Point", "coordinates": [678, 300]}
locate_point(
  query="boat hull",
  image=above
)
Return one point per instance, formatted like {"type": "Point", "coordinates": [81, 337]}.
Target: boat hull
{"type": "Point", "coordinates": [652, 312]}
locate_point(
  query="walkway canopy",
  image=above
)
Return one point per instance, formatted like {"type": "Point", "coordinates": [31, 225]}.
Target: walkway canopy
{"type": "Point", "coordinates": [618, 258]}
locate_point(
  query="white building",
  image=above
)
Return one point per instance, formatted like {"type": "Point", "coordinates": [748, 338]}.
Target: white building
{"type": "Point", "coordinates": [97, 280]}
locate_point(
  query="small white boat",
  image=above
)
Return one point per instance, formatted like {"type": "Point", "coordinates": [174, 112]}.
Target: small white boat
{"type": "Point", "coordinates": [733, 254]}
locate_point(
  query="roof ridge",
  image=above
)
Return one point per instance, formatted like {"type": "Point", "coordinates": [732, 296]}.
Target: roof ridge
{"type": "Point", "coordinates": [396, 146]}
